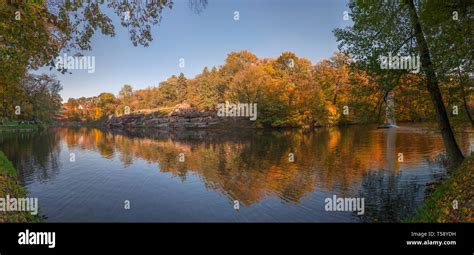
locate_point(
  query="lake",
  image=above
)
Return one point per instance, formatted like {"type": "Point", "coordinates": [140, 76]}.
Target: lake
{"type": "Point", "coordinates": [92, 175]}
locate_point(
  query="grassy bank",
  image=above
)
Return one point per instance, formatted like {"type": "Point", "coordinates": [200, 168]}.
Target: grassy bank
{"type": "Point", "coordinates": [440, 206]}
{"type": "Point", "coordinates": [18, 127]}
{"type": "Point", "coordinates": [9, 186]}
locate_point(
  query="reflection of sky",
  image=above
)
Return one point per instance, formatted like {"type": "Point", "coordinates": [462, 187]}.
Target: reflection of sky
{"type": "Point", "coordinates": [266, 27]}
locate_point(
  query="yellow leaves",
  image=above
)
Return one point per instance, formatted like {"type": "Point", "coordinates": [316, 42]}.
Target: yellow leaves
{"type": "Point", "coordinates": [445, 211]}
{"type": "Point", "coordinates": [332, 110]}
{"type": "Point", "coordinates": [98, 113]}
{"type": "Point", "coordinates": [290, 90]}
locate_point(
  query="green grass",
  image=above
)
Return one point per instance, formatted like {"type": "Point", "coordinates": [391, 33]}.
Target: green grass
{"type": "Point", "coordinates": [16, 126]}
{"type": "Point", "coordinates": [9, 186]}
{"type": "Point", "coordinates": [440, 206]}
{"type": "Point", "coordinates": [6, 167]}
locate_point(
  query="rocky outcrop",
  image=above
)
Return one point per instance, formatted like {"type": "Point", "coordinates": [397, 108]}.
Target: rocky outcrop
{"type": "Point", "coordinates": [182, 117]}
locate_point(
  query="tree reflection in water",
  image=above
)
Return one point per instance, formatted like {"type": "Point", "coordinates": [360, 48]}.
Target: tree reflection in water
{"type": "Point", "coordinates": [252, 165]}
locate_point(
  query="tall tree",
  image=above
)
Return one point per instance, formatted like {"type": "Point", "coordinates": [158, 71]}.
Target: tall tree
{"type": "Point", "coordinates": [395, 27]}
{"type": "Point", "coordinates": [125, 93]}
{"type": "Point", "coordinates": [454, 153]}
{"type": "Point", "coordinates": [181, 88]}
{"type": "Point", "coordinates": [43, 96]}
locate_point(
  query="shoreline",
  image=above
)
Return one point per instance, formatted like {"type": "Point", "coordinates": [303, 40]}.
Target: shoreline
{"type": "Point", "coordinates": [10, 188]}
{"type": "Point", "coordinates": [222, 124]}
{"type": "Point", "coordinates": [438, 205]}
{"type": "Point", "coordinates": [19, 128]}
{"type": "Point", "coordinates": [451, 200]}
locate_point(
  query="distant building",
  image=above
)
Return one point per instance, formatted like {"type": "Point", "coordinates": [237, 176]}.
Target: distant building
{"type": "Point", "coordinates": [60, 116]}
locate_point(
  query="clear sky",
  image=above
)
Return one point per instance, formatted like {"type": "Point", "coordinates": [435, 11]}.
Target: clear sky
{"type": "Point", "coordinates": [266, 28]}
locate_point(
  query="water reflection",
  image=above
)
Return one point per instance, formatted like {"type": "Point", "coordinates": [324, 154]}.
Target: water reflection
{"type": "Point", "coordinates": [35, 154]}
{"type": "Point", "coordinates": [251, 167]}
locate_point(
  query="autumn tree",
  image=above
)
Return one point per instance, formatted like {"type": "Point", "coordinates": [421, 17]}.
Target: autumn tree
{"type": "Point", "coordinates": [400, 28]}
{"type": "Point", "coordinates": [34, 33]}
{"type": "Point", "coordinates": [72, 111]}
{"type": "Point", "coordinates": [167, 92]}
{"type": "Point", "coordinates": [181, 88]}
{"type": "Point", "coordinates": [204, 91]}
{"type": "Point", "coordinates": [41, 99]}
{"type": "Point", "coordinates": [107, 103]}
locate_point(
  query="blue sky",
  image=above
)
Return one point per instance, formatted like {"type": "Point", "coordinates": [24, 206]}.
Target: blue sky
{"type": "Point", "coordinates": [266, 28]}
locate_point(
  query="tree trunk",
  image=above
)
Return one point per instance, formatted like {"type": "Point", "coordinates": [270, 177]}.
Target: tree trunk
{"type": "Point", "coordinates": [468, 112]}
{"type": "Point", "coordinates": [464, 97]}
{"type": "Point", "coordinates": [453, 152]}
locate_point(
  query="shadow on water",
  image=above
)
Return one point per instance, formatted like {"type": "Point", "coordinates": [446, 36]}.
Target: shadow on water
{"type": "Point", "coordinates": [34, 154]}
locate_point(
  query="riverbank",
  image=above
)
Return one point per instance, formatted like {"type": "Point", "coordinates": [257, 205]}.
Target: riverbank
{"type": "Point", "coordinates": [182, 116]}
{"type": "Point", "coordinates": [9, 187]}
{"type": "Point", "coordinates": [452, 199]}
{"type": "Point", "coordinates": [18, 127]}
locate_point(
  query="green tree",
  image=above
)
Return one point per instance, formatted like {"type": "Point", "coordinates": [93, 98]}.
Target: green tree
{"type": "Point", "coordinates": [204, 90]}
{"type": "Point", "coordinates": [125, 94]}
{"type": "Point", "coordinates": [396, 27]}
{"type": "Point", "coordinates": [43, 96]}
{"type": "Point", "coordinates": [33, 33]}
{"type": "Point", "coordinates": [167, 91]}
{"type": "Point", "coordinates": [107, 103]}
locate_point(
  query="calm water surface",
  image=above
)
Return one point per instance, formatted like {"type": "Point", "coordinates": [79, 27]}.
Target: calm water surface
{"type": "Point", "coordinates": [143, 167]}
